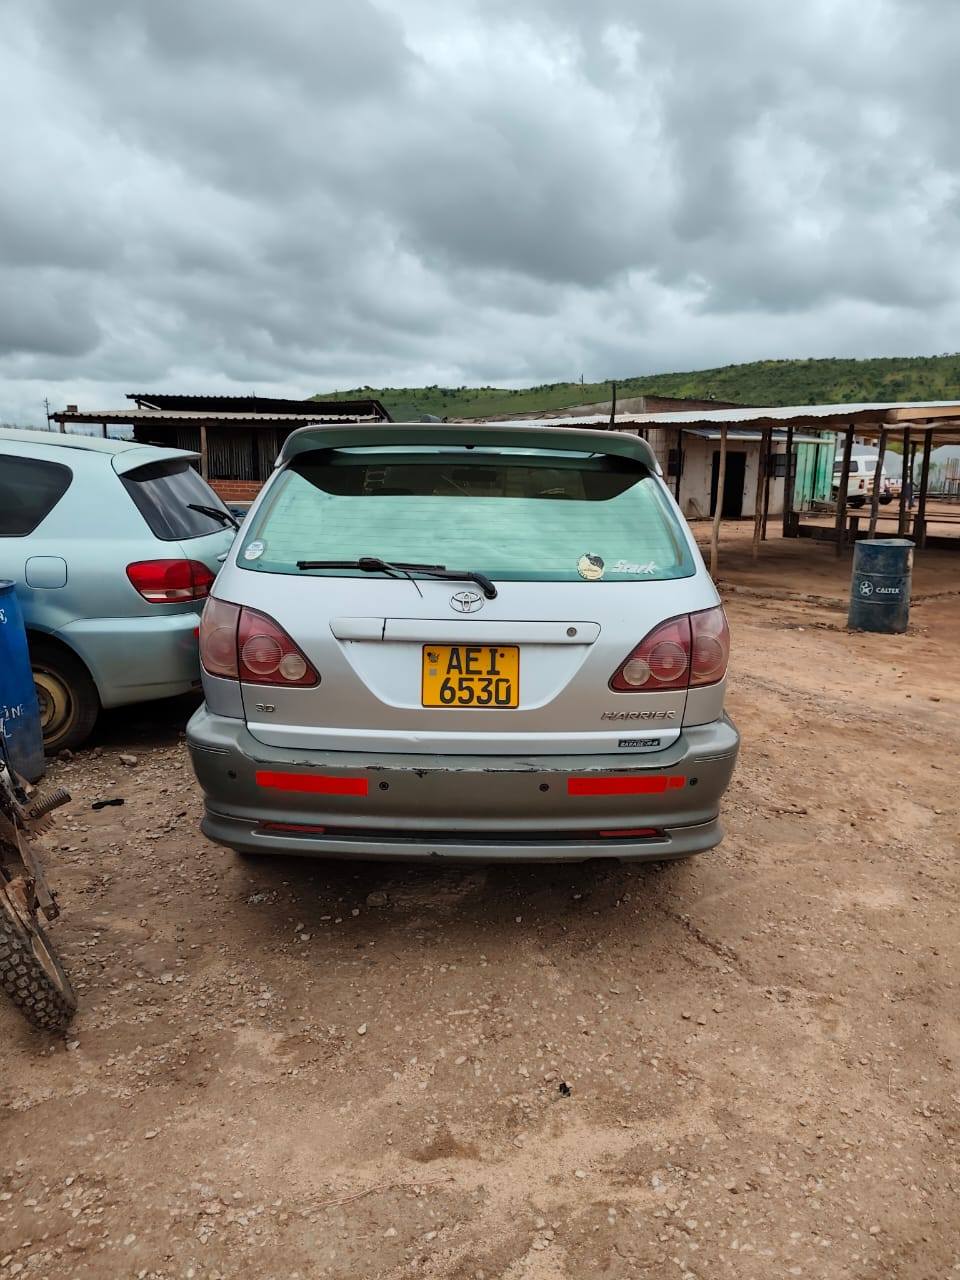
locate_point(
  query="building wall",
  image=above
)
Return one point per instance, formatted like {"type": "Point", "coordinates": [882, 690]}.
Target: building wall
{"type": "Point", "coordinates": [696, 478]}
{"type": "Point", "coordinates": [814, 473]}
{"type": "Point", "coordinates": [231, 491]}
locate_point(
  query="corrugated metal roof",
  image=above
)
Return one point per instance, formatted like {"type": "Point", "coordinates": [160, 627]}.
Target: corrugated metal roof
{"type": "Point", "coordinates": [261, 405]}
{"type": "Point", "coordinates": [841, 413]}
{"type": "Point", "coordinates": [824, 415]}
{"type": "Point", "coordinates": [170, 415]}
{"type": "Point", "coordinates": [754, 437]}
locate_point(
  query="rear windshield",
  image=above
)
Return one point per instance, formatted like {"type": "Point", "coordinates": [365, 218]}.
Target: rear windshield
{"type": "Point", "coordinates": [530, 516]}
{"type": "Point", "coordinates": [164, 491]}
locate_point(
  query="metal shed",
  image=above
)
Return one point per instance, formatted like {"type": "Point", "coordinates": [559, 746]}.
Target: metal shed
{"type": "Point", "coordinates": [237, 437]}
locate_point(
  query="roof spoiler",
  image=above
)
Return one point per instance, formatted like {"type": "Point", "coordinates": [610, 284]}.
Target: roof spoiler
{"type": "Point", "coordinates": [492, 434]}
{"type": "Point", "coordinates": [146, 455]}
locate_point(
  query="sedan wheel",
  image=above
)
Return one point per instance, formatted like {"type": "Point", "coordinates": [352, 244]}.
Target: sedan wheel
{"type": "Point", "coordinates": [69, 704]}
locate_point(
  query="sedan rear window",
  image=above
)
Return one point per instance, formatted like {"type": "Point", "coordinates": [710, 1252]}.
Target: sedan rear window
{"type": "Point", "coordinates": [522, 515]}
{"type": "Point", "coordinates": [168, 494]}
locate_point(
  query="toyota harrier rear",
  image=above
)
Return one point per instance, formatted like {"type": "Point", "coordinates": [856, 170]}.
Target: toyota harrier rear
{"type": "Point", "coordinates": [476, 642]}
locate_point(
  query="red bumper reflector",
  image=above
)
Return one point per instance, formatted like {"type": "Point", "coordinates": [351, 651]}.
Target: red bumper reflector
{"type": "Point", "coordinates": [301, 827]}
{"type": "Point", "coordinates": [636, 833]}
{"type": "Point", "coordinates": [634, 785]}
{"type": "Point", "coordinates": [317, 783]}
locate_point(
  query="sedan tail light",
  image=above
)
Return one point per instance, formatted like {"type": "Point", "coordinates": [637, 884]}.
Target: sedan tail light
{"type": "Point", "coordinates": [686, 652]}
{"type": "Point", "coordinates": [241, 644]}
{"type": "Point", "coordinates": [171, 581]}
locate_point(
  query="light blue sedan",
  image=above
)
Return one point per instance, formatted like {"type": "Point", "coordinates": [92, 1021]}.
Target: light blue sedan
{"type": "Point", "coordinates": [113, 546]}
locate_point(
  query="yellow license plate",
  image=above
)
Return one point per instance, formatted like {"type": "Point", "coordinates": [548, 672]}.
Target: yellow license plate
{"type": "Point", "coordinates": [470, 675]}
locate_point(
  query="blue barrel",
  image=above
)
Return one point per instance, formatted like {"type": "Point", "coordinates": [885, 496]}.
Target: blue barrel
{"type": "Point", "coordinates": [880, 588]}
{"type": "Point", "coordinates": [19, 710]}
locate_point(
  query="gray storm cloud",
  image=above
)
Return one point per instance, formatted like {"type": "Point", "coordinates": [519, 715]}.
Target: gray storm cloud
{"type": "Point", "coordinates": [233, 194]}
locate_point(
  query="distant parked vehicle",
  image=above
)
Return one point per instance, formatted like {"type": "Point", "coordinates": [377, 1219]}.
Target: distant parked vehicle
{"type": "Point", "coordinates": [114, 547]}
{"type": "Point", "coordinates": [860, 482]}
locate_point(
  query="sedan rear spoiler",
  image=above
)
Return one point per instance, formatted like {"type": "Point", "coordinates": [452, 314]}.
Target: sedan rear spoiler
{"type": "Point", "coordinates": [496, 435]}
{"type": "Point", "coordinates": [146, 455]}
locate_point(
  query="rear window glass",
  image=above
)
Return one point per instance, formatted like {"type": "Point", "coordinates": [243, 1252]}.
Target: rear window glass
{"type": "Point", "coordinates": [168, 495]}
{"type": "Point", "coordinates": [29, 490]}
{"type": "Point", "coordinates": [532, 516]}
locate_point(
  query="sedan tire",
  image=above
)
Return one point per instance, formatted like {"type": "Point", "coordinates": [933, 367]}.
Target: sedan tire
{"type": "Point", "coordinates": [69, 702]}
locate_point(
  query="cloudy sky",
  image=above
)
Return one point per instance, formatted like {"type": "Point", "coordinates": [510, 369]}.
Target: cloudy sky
{"type": "Point", "coordinates": [236, 195]}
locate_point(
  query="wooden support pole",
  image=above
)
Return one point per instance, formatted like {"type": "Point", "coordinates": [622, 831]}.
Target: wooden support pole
{"type": "Point", "coordinates": [717, 514]}
{"type": "Point", "coordinates": [877, 480]}
{"type": "Point", "coordinates": [676, 478]}
{"type": "Point", "coordinates": [920, 524]}
{"type": "Point", "coordinates": [843, 486]}
{"type": "Point", "coordinates": [204, 463]}
{"type": "Point", "coordinates": [103, 430]}
{"type": "Point", "coordinates": [914, 446]}
{"type": "Point", "coordinates": [768, 470]}
{"type": "Point", "coordinates": [758, 512]}
{"type": "Point", "coordinates": [905, 457]}
{"type": "Point", "coordinates": [788, 484]}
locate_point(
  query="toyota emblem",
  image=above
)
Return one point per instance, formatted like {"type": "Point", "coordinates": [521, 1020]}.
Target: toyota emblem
{"type": "Point", "coordinates": [466, 601]}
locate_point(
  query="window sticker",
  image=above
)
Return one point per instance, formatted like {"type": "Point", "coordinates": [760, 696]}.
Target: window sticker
{"type": "Point", "coordinates": [590, 567]}
{"type": "Point", "coordinates": [254, 551]}
{"type": "Point", "coordinates": [625, 566]}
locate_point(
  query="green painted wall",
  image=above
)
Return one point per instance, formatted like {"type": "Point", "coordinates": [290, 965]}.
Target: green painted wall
{"type": "Point", "coordinates": [814, 472]}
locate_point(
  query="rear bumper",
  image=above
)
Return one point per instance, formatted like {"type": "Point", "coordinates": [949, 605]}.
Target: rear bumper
{"type": "Point", "coordinates": [483, 808]}
{"type": "Point", "coordinates": [136, 659]}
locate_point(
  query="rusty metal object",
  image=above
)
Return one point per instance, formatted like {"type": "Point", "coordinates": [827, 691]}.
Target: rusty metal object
{"type": "Point", "coordinates": [24, 815]}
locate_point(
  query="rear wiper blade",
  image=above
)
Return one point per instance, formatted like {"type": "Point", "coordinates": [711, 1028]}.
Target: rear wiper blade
{"type": "Point", "coordinates": [401, 568]}
{"type": "Point", "coordinates": [225, 517]}
{"type": "Point", "coordinates": [454, 575]}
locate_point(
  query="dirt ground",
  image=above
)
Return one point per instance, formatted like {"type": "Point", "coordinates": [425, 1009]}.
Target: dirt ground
{"type": "Point", "coordinates": [743, 1065]}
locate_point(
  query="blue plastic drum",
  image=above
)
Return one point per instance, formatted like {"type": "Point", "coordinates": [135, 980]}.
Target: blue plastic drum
{"type": "Point", "coordinates": [19, 711]}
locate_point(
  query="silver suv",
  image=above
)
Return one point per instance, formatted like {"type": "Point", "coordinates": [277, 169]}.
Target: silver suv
{"type": "Point", "coordinates": [477, 642]}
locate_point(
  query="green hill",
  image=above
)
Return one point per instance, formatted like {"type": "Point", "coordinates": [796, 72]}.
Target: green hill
{"type": "Point", "coordinates": [765, 382]}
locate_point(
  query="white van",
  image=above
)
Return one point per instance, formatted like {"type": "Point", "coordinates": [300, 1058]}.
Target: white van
{"type": "Point", "coordinates": [860, 481]}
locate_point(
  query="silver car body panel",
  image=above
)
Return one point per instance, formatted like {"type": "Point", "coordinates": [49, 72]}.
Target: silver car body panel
{"type": "Point", "coordinates": [461, 807]}
{"type": "Point", "coordinates": [369, 693]}
{"type": "Point", "coordinates": [365, 635]}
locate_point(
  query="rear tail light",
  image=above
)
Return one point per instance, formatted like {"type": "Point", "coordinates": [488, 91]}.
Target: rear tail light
{"type": "Point", "coordinates": [218, 638]}
{"type": "Point", "coordinates": [711, 646]}
{"type": "Point", "coordinates": [685, 652]}
{"type": "Point", "coordinates": [660, 662]}
{"type": "Point", "coordinates": [241, 644]}
{"type": "Point", "coordinates": [171, 581]}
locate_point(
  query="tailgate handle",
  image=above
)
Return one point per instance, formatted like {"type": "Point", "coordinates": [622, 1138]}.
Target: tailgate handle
{"type": "Point", "coordinates": [465, 631]}
{"type": "Point", "coordinates": [358, 628]}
